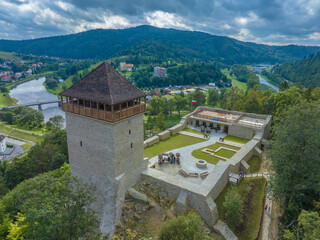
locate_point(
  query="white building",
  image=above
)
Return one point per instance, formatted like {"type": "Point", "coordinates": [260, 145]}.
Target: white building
{"type": "Point", "coordinates": [3, 144]}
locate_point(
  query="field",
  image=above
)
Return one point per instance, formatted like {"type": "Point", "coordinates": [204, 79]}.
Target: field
{"type": "Point", "coordinates": [176, 141]}
{"type": "Point", "coordinates": [211, 159]}
{"type": "Point", "coordinates": [251, 191]}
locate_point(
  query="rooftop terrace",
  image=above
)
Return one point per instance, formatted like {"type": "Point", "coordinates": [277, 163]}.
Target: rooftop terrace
{"type": "Point", "coordinates": [233, 117]}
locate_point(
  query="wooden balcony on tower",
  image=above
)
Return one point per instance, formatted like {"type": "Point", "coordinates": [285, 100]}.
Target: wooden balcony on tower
{"type": "Point", "coordinates": [109, 113]}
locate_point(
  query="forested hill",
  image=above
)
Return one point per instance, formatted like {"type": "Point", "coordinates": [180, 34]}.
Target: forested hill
{"type": "Point", "coordinates": [186, 45]}
{"type": "Point", "coordinates": [305, 71]}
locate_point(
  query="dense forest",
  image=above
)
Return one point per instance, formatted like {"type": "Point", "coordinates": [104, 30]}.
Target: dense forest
{"type": "Point", "coordinates": [189, 74]}
{"type": "Point", "coordinates": [305, 71]}
{"type": "Point", "coordinates": [159, 42]}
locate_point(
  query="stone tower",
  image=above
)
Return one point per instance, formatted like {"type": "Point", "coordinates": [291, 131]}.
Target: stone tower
{"type": "Point", "coordinates": [104, 122]}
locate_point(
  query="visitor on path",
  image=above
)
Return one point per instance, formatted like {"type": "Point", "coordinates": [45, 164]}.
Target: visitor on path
{"type": "Point", "coordinates": [266, 207]}
{"type": "Point", "coordinates": [269, 210]}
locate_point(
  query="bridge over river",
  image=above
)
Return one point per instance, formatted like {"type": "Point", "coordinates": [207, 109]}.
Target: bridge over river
{"type": "Point", "coordinates": [39, 104]}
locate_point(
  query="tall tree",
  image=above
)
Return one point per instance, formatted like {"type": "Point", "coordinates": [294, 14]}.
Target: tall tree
{"type": "Point", "coordinates": [53, 206]}
{"type": "Point", "coordinates": [180, 103]}
{"type": "Point", "coordinates": [295, 155]}
{"type": "Point", "coordinates": [213, 97]}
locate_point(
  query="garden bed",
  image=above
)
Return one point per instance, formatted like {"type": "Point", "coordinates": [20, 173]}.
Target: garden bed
{"type": "Point", "coordinates": [212, 159]}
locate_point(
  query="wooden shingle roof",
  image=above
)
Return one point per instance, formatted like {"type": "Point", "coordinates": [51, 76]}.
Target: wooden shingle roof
{"type": "Point", "coordinates": [104, 85]}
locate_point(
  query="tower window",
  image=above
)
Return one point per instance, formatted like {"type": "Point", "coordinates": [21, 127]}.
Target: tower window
{"type": "Point", "coordinates": [129, 131]}
{"type": "Point", "coordinates": [80, 143]}
{"type": "Point", "coordinates": [131, 145]}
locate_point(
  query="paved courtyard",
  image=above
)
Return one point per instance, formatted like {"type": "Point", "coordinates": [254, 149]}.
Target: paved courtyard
{"type": "Point", "coordinates": [188, 162]}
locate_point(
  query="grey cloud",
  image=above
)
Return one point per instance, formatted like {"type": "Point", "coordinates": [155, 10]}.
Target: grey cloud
{"type": "Point", "coordinates": [265, 21]}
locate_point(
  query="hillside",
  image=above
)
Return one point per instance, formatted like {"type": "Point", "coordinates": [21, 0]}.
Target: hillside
{"type": "Point", "coordinates": [305, 71]}
{"type": "Point", "coordinates": [165, 43]}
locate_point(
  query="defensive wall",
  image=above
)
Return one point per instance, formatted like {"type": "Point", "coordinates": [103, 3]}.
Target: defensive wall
{"type": "Point", "coordinates": [201, 197]}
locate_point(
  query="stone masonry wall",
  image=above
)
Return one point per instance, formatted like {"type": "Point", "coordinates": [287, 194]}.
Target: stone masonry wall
{"type": "Point", "coordinates": [100, 154]}
{"type": "Point", "coordinates": [164, 135]}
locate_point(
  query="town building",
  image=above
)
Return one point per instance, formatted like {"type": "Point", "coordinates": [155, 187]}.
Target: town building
{"type": "Point", "coordinates": [104, 123]}
{"type": "Point", "coordinates": [126, 67]}
{"type": "Point", "coordinates": [3, 144]}
{"type": "Point", "coordinates": [159, 72]}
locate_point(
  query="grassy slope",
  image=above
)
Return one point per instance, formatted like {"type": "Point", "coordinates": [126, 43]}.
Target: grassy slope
{"type": "Point", "coordinates": [251, 226]}
{"type": "Point", "coordinates": [241, 85]}
{"type": "Point", "coordinates": [9, 56]}
{"type": "Point", "coordinates": [255, 164]}
{"type": "Point", "coordinates": [6, 100]}
{"type": "Point", "coordinates": [211, 159]}
{"type": "Point", "coordinates": [176, 141]}
{"type": "Point", "coordinates": [236, 139]}
{"type": "Point", "coordinates": [26, 136]}
{"type": "Point", "coordinates": [39, 130]}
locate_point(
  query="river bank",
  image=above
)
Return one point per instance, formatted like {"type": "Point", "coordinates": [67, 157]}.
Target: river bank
{"type": "Point", "coordinates": [264, 81]}
{"type": "Point", "coordinates": [34, 91]}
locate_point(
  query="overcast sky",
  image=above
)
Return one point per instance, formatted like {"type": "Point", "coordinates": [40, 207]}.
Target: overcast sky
{"type": "Point", "coordinates": [264, 21]}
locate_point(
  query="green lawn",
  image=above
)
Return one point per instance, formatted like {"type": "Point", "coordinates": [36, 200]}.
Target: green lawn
{"type": "Point", "coordinates": [26, 145]}
{"type": "Point", "coordinates": [38, 130]}
{"type": "Point", "coordinates": [255, 164]}
{"type": "Point", "coordinates": [211, 159]}
{"type": "Point", "coordinates": [236, 139]}
{"type": "Point", "coordinates": [252, 194]}
{"type": "Point", "coordinates": [26, 136]}
{"type": "Point", "coordinates": [6, 100]}
{"type": "Point", "coordinates": [194, 131]}
{"type": "Point", "coordinates": [5, 129]}
{"type": "Point", "coordinates": [176, 141]}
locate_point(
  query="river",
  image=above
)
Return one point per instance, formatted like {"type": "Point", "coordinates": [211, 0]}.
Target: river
{"type": "Point", "coordinates": [34, 91]}
{"type": "Point", "coordinates": [263, 81]}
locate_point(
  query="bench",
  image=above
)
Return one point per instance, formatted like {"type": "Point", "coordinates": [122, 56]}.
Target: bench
{"type": "Point", "coordinates": [193, 174]}
{"type": "Point", "coordinates": [204, 175]}
{"type": "Point", "coordinates": [183, 173]}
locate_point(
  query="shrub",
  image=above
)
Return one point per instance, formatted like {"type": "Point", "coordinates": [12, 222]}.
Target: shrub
{"type": "Point", "coordinates": [183, 227]}
{"type": "Point", "coordinates": [234, 207]}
